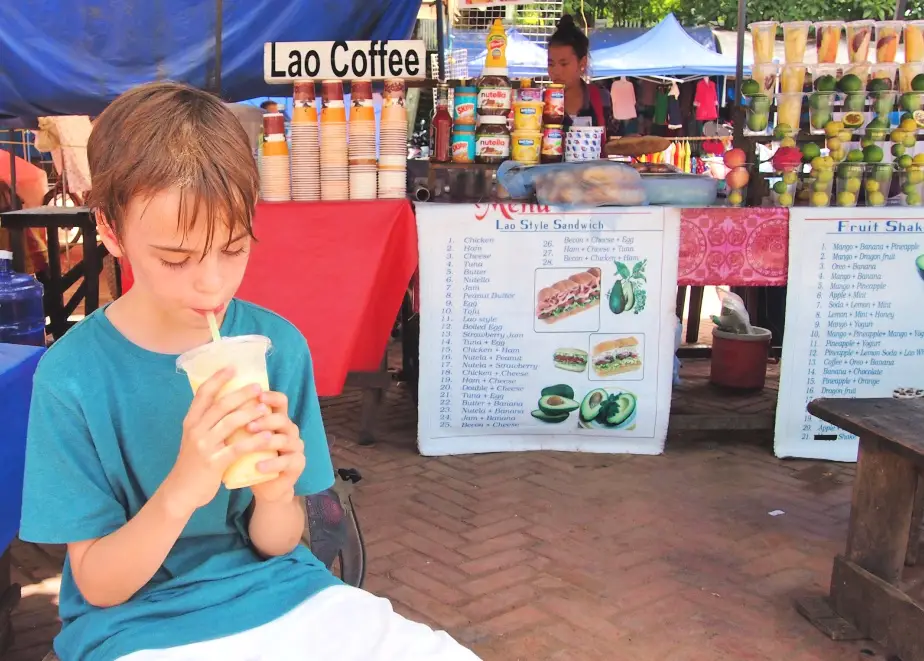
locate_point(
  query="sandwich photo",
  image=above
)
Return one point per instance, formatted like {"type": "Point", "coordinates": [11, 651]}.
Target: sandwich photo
{"type": "Point", "coordinates": [572, 360]}
{"type": "Point", "coordinates": [568, 297]}
{"type": "Point", "coordinates": [616, 357]}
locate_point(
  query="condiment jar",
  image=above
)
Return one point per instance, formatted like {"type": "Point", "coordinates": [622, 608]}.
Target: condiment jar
{"type": "Point", "coordinates": [465, 99]}
{"type": "Point", "coordinates": [492, 140]}
{"type": "Point", "coordinates": [463, 143]}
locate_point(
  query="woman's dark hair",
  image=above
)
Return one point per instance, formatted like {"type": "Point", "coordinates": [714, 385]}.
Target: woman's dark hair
{"type": "Point", "coordinates": [567, 33]}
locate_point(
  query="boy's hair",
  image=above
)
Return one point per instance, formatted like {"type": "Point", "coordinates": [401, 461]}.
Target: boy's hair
{"type": "Point", "coordinates": [166, 135]}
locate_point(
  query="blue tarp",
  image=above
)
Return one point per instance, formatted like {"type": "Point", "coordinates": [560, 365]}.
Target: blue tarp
{"type": "Point", "coordinates": [665, 50]}
{"type": "Point", "coordinates": [66, 57]}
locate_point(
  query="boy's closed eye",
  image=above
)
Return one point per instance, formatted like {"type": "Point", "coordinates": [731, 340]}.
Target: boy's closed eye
{"type": "Point", "coordinates": [176, 265]}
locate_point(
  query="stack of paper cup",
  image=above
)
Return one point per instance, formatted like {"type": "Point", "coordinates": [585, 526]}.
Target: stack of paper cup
{"type": "Point", "coordinates": [306, 172]}
{"type": "Point", "coordinates": [274, 164]}
{"type": "Point", "coordinates": [582, 143]}
{"type": "Point", "coordinates": [393, 142]}
{"type": "Point", "coordinates": [362, 141]}
{"type": "Point", "coordinates": [335, 164]}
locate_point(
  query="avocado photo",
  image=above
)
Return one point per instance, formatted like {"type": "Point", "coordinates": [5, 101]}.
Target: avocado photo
{"type": "Point", "coordinates": [556, 405]}
{"type": "Point", "coordinates": [562, 390]}
{"type": "Point", "coordinates": [919, 263]}
{"type": "Point", "coordinates": [545, 417]}
{"type": "Point", "coordinates": [593, 403]}
{"type": "Point", "coordinates": [621, 410]}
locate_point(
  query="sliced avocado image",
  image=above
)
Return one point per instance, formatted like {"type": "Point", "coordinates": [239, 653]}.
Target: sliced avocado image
{"type": "Point", "coordinates": [617, 299]}
{"type": "Point", "coordinates": [545, 417]}
{"type": "Point", "coordinates": [621, 410]}
{"type": "Point", "coordinates": [919, 262]}
{"type": "Point", "coordinates": [562, 390]}
{"type": "Point", "coordinates": [593, 403]}
{"type": "Point", "coordinates": [629, 295]}
{"type": "Point", "coordinates": [556, 405]}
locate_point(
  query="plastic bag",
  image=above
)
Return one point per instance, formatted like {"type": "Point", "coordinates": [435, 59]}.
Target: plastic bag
{"type": "Point", "coordinates": [587, 184]}
{"type": "Point", "coordinates": [734, 317]}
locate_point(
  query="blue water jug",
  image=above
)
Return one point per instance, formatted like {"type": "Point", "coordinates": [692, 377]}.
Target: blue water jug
{"type": "Point", "coordinates": [22, 317]}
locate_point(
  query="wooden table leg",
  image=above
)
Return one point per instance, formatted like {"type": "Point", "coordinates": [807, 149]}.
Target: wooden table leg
{"type": "Point", "coordinates": [880, 513]}
{"type": "Point", "coordinates": [694, 313]}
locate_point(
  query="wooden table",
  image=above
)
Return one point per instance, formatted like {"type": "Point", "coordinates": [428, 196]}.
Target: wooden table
{"type": "Point", "coordinates": [866, 599]}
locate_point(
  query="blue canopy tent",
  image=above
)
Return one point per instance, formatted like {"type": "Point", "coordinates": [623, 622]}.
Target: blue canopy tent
{"type": "Point", "coordinates": [525, 58]}
{"type": "Point", "coordinates": [608, 37]}
{"type": "Point", "coordinates": [665, 50]}
{"type": "Point", "coordinates": [65, 57]}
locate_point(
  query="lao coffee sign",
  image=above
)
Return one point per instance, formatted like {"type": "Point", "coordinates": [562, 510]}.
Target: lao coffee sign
{"type": "Point", "coordinates": [286, 62]}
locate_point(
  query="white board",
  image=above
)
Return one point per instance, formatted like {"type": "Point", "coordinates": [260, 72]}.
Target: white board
{"type": "Point", "coordinates": [486, 355]}
{"type": "Point", "coordinates": [854, 315]}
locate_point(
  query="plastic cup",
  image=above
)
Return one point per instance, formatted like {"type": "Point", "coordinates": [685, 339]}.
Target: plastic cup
{"type": "Point", "coordinates": [888, 34]}
{"type": "Point", "coordinates": [821, 111]}
{"type": "Point", "coordinates": [883, 71]}
{"type": "Point", "coordinates": [827, 40]}
{"type": "Point", "coordinates": [766, 75]}
{"type": "Point", "coordinates": [247, 354]}
{"type": "Point", "coordinates": [912, 183]}
{"type": "Point", "coordinates": [882, 104]}
{"type": "Point", "coordinates": [757, 115]}
{"type": "Point", "coordinates": [783, 192]}
{"type": "Point", "coordinates": [789, 110]}
{"type": "Point", "coordinates": [792, 78]}
{"type": "Point", "coordinates": [859, 36]}
{"type": "Point", "coordinates": [877, 182]}
{"type": "Point", "coordinates": [914, 41]}
{"type": "Point", "coordinates": [795, 38]}
{"type": "Point", "coordinates": [763, 40]}
{"type": "Point", "coordinates": [849, 184]}
{"type": "Point", "coordinates": [819, 190]}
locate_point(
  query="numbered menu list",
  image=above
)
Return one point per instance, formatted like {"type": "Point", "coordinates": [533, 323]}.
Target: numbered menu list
{"type": "Point", "coordinates": [483, 364]}
{"type": "Point", "coordinates": [859, 332]}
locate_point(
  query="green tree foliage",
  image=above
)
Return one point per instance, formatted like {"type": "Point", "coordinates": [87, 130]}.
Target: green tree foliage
{"type": "Point", "coordinates": [724, 13]}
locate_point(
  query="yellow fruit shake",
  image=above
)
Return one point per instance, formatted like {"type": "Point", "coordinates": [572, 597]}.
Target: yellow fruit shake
{"type": "Point", "coordinates": [792, 78]}
{"type": "Point", "coordinates": [859, 37]}
{"type": "Point", "coordinates": [247, 354]}
{"type": "Point", "coordinates": [763, 40]}
{"type": "Point", "coordinates": [789, 110]}
{"type": "Point", "coordinates": [795, 38]}
{"type": "Point", "coordinates": [766, 75]}
{"type": "Point", "coordinates": [914, 41]}
{"type": "Point", "coordinates": [888, 34]}
{"type": "Point", "coordinates": [828, 40]}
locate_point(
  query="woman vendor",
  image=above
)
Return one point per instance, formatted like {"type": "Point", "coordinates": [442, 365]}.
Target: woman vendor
{"type": "Point", "coordinates": [585, 104]}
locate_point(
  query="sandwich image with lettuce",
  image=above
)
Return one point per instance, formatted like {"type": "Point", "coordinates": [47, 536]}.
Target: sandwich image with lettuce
{"type": "Point", "coordinates": [617, 356]}
{"type": "Point", "coordinates": [571, 360]}
{"type": "Point", "coordinates": [568, 297]}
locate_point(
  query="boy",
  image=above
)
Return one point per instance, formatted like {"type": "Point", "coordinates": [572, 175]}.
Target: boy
{"type": "Point", "coordinates": [124, 465]}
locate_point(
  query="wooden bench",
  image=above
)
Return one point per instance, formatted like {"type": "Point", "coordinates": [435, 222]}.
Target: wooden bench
{"type": "Point", "coordinates": [866, 599]}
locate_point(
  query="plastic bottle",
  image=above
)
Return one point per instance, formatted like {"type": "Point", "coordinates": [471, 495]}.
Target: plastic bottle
{"type": "Point", "coordinates": [22, 317]}
{"type": "Point", "coordinates": [441, 129]}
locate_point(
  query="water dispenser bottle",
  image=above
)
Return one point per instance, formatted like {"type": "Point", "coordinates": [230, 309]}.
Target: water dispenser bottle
{"type": "Point", "coordinates": [22, 317]}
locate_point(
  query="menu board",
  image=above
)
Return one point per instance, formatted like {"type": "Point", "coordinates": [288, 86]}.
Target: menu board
{"type": "Point", "coordinates": [854, 326]}
{"type": "Point", "coordinates": [546, 329]}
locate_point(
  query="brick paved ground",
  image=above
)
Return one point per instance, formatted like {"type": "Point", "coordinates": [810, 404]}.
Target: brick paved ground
{"type": "Point", "coordinates": [563, 556]}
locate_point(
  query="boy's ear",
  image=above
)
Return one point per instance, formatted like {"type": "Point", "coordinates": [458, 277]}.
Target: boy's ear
{"type": "Point", "coordinates": [108, 235]}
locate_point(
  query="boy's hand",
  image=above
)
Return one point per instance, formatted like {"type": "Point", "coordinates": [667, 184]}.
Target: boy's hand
{"type": "Point", "coordinates": [287, 441]}
{"type": "Point", "coordinates": [204, 455]}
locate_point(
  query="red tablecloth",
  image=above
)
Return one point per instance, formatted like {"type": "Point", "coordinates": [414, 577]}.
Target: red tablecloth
{"type": "Point", "coordinates": [735, 247]}
{"type": "Point", "coordinates": [338, 271]}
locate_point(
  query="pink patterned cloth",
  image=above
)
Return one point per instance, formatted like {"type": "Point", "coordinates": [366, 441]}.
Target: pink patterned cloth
{"type": "Point", "coordinates": [735, 247]}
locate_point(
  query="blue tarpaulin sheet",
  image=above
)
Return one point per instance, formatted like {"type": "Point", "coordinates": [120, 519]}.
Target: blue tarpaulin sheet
{"type": "Point", "coordinates": [67, 57]}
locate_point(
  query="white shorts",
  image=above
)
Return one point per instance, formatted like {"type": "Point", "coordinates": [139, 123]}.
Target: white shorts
{"type": "Point", "coordinates": [340, 623]}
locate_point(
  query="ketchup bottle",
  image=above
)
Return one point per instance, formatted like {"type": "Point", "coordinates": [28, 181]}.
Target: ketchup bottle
{"type": "Point", "coordinates": [441, 129]}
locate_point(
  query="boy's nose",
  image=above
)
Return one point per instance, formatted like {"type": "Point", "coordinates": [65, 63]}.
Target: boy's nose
{"type": "Point", "coordinates": [208, 277]}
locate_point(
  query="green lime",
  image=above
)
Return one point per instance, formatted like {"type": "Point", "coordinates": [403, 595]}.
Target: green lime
{"type": "Point", "coordinates": [873, 154]}
{"type": "Point", "coordinates": [852, 83]}
{"type": "Point", "coordinates": [826, 83]}
{"type": "Point", "coordinates": [904, 162]}
{"type": "Point", "coordinates": [879, 85]}
{"type": "Point", "coordinates": [780, 187]}
{"type": "Point", "coordinates": [750, 87]}
{"type": "Point", "coordinates": [810, 151]}
{"type": "Point", "coordinates": [917, 83]}
{"type": "Point", "coordinates": [911, 101]}
{"type": "Point", "coordinates": [913, 200]}
{"type": "Point", "coordinates": [898, 150]}
{"type": "Point", "coordinates": [758, 121]}
{"type": "Point", "coordinates": [855, 156]}
{"type": "Point", "coordinates": [820, 118]}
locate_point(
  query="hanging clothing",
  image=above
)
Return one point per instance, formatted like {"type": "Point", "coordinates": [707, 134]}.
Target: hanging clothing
{"type": "Point", "coordinates": [622, 92]}
{"type": "Point", "coordinates": [647, 92]}
{"type": "Point", "coordinates": [660, 109]}
{"type": "Point", "coordinates": [706, 101]}
{"type": "Point", "coordinates": [674, 116]}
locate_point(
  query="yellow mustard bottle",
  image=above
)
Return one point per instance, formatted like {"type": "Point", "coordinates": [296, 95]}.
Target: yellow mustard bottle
{"type": "Point", "coordinates": [497, 46]}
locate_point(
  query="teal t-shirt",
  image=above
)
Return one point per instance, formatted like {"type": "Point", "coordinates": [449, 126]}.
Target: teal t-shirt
{"type": "Point", "coordinates": [104, 431]}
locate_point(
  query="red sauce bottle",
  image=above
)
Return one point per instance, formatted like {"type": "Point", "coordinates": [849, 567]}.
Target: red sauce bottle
{"type": "Point", "coordinates": [441, 129]}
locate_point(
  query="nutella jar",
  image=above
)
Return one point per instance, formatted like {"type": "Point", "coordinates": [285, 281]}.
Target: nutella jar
{"type": "Point", "coordinates": [553, 144]}
{"type": "Point", "coordinates": [495, 95]}
{"type": "Point", "coordinates": [554, 98]}
{"type": "Point", "coordinates": [492, 140]}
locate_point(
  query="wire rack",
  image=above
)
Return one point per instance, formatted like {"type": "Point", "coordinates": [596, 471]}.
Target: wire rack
{"type": "Point", "coordinates": [535, 20]}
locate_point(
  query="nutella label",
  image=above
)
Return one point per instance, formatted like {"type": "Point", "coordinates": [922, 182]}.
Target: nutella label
{"type": "Point", "coordinates": [495, 98]}
{"type": "Point", "coordinates": [493, 146]}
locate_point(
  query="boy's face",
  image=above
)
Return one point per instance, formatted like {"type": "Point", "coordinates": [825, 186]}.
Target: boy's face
{"type": "Point", "coordinates": [170, 270]}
